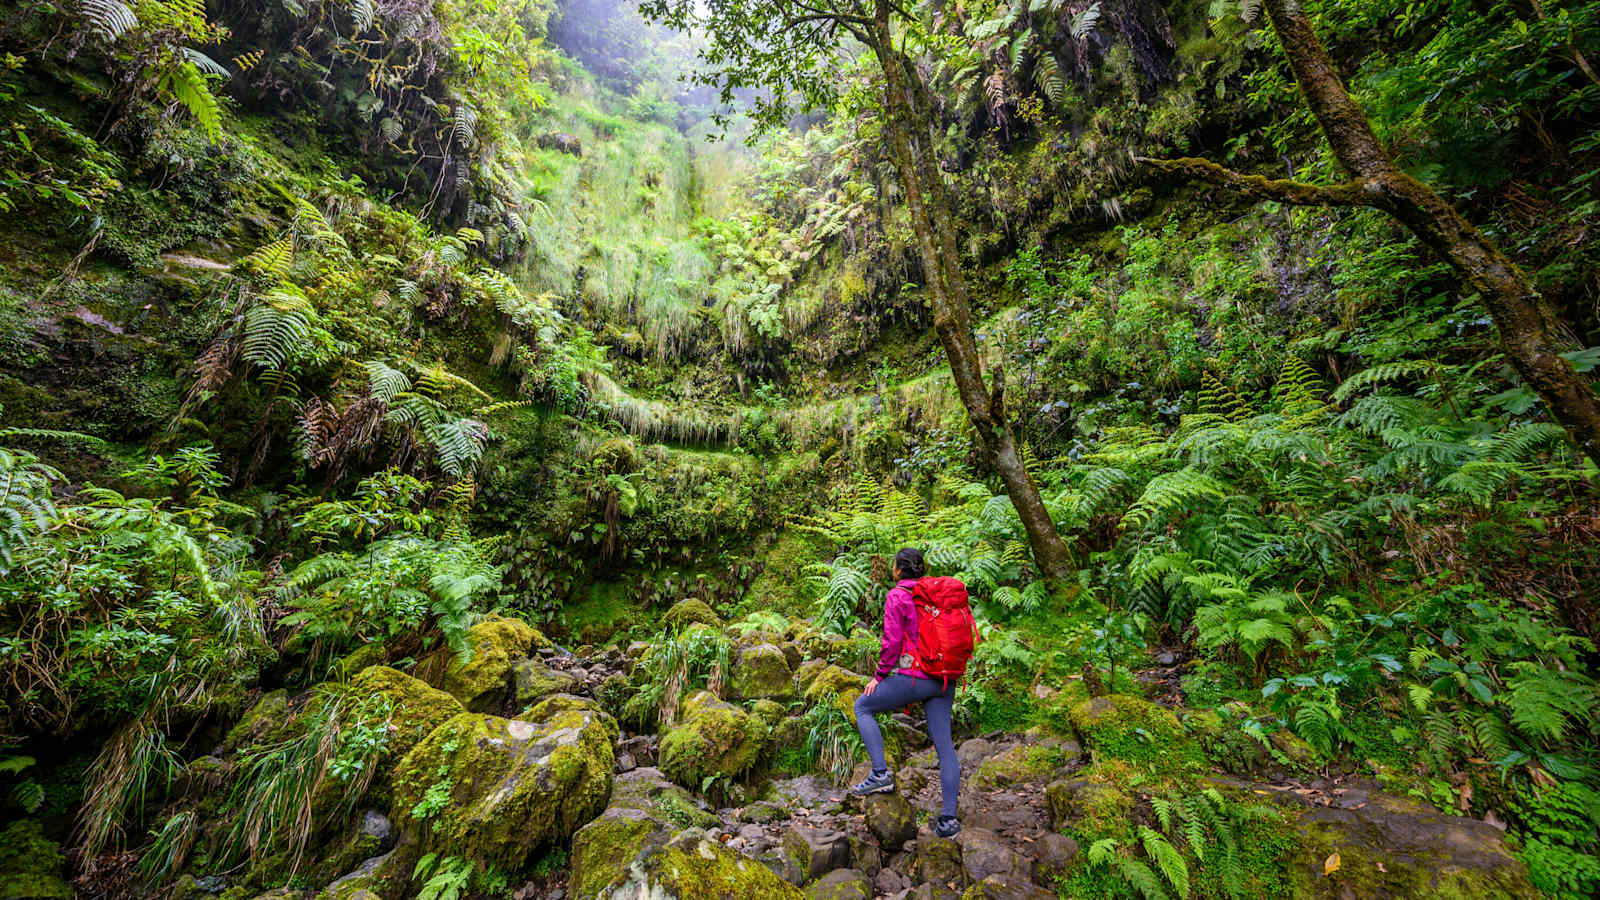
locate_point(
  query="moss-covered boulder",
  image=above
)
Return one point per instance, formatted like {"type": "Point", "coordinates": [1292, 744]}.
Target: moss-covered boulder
{"type": "Point", "coordinates": [262, 723]}
{"type": "Point", "coordinates": [532, 680]}
{"type": "Point", "coordinates": [1117, 726]}
{"type": "Point", "coordinates": [623, 855]}
{"type": "Point", "coordinates": [383, 877]}
{"type": "Point", "coordinates": [691, 612]}
{"type": "Point", "coordinates": [1231, 745]}
{"type": "Point", "coordinates": [363, 656]}
{"type": "Point", "coordinates": [605, 850]}
{"type": "Point", "coordinates": [1396, 847]}
{"type": "Point", "coordinates": [762, 672]}
{"type": "Point", "coordinates": [492, 789]}
{"type": "Point", "coordinates": [841, 884]}
{"type": "Point", "coordinates": [556, 704]}
{"type": "Point", "coordinates": [1090, 803]}
{"type": "Point", "coordinates": [648, 791]}
{"type": "Point", "coordinates": [891, 820]}
{"type": "Point", "coordinates": [837, 681]}
{"type": "Point", "coordinates": [31, 864]}
{"type": "Point", "coordinates": [482, 681]}
{"type": "Point", "coordinates": [714, 739]}
{"type": "Point", "coordinates": [1024, 763]}
{"type": "Point", "coordinates": [415, 708]}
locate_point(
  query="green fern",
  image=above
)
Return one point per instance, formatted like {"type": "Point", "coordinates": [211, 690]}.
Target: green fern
{"type": "Point", "coordinates": [188, 86]}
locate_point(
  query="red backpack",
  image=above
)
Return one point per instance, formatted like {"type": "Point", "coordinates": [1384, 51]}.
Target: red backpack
{"type": "Point", "coordinates": [946, 631]}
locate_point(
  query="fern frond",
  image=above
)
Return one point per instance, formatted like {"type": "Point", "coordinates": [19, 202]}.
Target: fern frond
{"type": "Point", "coordinates": [110, 19]}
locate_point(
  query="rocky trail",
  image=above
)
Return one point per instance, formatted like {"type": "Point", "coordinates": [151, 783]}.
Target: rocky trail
{"type": "Point", "coordinates": [515, 759]}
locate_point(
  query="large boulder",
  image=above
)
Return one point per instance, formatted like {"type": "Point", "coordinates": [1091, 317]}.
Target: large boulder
{"type": "Point", "coordinates": [691, 612]}
{"type": "Point", "coordinates": [415, 708]}
{"type": "Point", "coordinates": [532, 680]}
{"type": "Point", "coordinates": [482, 680]}
{"type": "Point", "coordinates": [938, 860]}
{"type": "Point", "coordinates": [1149, 736]}
{"type": "Point", "coordinates": [762, 672]}
{"type": "Point", "coordinates": [492, 789]}
{"type": "Point", "coordinates": [264, 722]}
{"type": "Point", "coordinates": [1392, 846]}
{"type": "Point", "coordinates": [627, 854]}
{"type": "Point", "coordinates": [647, 791]}
{"type": "Point", "coordinates": [841, 884]}
{"type": "Point", "coordinates": [985, 853]}
{"type": "Point", "coordinates": [840, 683]}
{"type": "Point", "coordinates": [714, 739]}
{"type": "Point", "coordinates": [891, 820]}
{"type": "Point", "coordinates": [814, 852]}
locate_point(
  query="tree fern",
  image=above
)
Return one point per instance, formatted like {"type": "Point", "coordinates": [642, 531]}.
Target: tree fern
{"type": "Point", "coordinates": [458, 443]}
{"type": "Point", "coordinates": [1382, 374]}
{"type": "Point", "coordinates": [274, 328]}
{"type": "Point", "coordinates": [1085, 21]}
{"type": "Point", "coordinates": [270, 262]}
{"type": "Point", "coordinates": [188, 86]}
{"type": "Point", "coordinates": [108, 18]}
{"type": "Point", "coordinates": [385, 383]}
{"type": "Point", "coordinates": [1173, 492]}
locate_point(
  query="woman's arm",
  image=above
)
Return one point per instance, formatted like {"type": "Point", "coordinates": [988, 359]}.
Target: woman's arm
{"type": "Point", "coordinates": [894, 631]}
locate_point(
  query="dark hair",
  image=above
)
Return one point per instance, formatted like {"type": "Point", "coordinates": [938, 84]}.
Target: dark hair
{"type": "Point", "coordinates": [909, 562]}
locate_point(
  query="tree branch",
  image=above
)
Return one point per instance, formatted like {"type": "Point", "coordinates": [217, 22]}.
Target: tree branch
{"type": "Point", "coordinates": [1259, 187]}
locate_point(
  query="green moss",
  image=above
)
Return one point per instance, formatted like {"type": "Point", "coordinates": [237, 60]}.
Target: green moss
{"type": "Point", "coordinates": [481, 680]}
{"type": "Point", "coordinates": [691, 612]}
{"type": "Point", "coordinates": [832, 679]}
{"type": "Point", "coordinates": [358, 659]}
{"type": "Point", "coordinates": [264, 722]}
{"type": "Point", "coordinates": [661, 799]}
{"type": "Point", "coordinates": [1121, 727]}
{"type": "Point", "coordinates": [30, 864]}
{"type": "Point", "coordinates": [1231, 748]}
{"type": "Point", "coordinates": [693, 866]}
{"type": "Point", "coordinates": [714, 739]}
{"type": "Point", "coordinates": [780, 586]}
{"type": "Point", "coordinates": [603, 849]}
{"type": "Point", "coordinates": [1393, 850]}
{"type": "Point", "coordinates": [762, 672]}
{"type": "Point", "coordinates": [1027, 762]}
{"type": "Point", "coordinates": [1092, 804]}
{"type": "Point", "coordinates": [416, 708]}
{"type": "Point", "coordinates": [493, 790]}
{"type": "Point", "coordinates": [532, 680]}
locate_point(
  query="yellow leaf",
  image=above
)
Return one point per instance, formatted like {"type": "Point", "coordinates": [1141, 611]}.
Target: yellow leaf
{"type": "Point", "coordinates": [1331, 864]}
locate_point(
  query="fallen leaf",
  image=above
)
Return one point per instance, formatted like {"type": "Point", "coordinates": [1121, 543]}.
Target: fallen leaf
{"type": "Point", "coordinates": [1331, 864]}
{"type": "Point", "coordinates": [1464, 799]}
{"type": "Point", "coordinates": [1382, 867]}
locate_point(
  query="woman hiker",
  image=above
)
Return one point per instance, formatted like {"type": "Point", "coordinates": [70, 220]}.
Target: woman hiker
{"type": "Point", "coordinates": [898, 684]}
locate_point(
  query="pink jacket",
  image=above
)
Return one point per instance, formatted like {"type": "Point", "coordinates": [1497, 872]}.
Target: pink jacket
{"type": "Point", "coordinates": [899, 631]}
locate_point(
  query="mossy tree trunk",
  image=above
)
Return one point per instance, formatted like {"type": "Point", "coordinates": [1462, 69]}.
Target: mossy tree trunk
{"type": "Point", "coordinates": [1530, 333]}
{"type": "Point", "coordinates": [906, 120]}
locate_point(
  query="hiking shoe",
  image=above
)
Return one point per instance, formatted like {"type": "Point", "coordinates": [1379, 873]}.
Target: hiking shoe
{"type": "Point", "coordinates": [947, 826]}
{"type": "Point", "coordinates": [876, 783]}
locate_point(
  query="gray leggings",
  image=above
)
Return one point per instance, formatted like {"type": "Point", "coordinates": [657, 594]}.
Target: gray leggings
{"type": "Point", "coordinates": [937, 701]}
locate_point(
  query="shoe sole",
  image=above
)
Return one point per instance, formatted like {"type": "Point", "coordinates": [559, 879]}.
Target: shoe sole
{"type": "Point", "coordinates": [886, 789]}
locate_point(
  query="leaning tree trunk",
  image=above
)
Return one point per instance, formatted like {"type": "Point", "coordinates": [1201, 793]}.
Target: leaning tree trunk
{"type": "Point", "coordinates": [1530, 333]}
{"type": "Point", "coordinates": [905, 119]}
